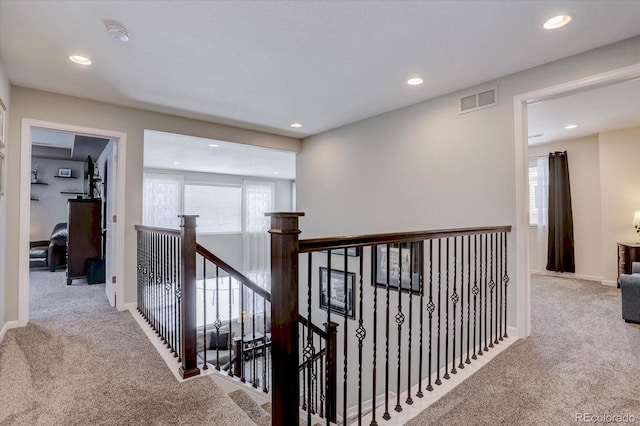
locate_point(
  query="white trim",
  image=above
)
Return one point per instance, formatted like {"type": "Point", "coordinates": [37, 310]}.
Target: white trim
{"type": "Point", "coordinates": [8, 325]}
{"type": "Point", "coordinates": [567, 275]}
{"type": "Point", "coordinates": [520, 102]}
{"type": "Point", "coordinates": [25, 206]}
{"type": "Point", "coordinates": [610, 283]}
{"type": "Point", "coordinates": [420, 404]}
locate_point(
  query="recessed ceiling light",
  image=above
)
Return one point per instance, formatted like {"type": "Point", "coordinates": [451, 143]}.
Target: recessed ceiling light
{"type": "Point", "coordinates": [213, 145]}
{"type": "Point", "coordinates": [176, 162]}
{"type": "Point", "coordinates": [78, 59]}
{"type": "Point", "coordinates": [557, 22]}
{"type": "Point", "coordinates": [276, 173]}
{"type": "Point", "coordinates": [415, 81]}
{"type": "Point", "coordinates": [570, 126]}
{"type": "Point", "coordinates": [296, 125]}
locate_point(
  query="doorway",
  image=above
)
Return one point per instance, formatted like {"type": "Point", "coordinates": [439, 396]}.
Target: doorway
{"type": "Point", "coordinates": [112, 165]}
{"type": "Point", "coordinates": [520, 108]}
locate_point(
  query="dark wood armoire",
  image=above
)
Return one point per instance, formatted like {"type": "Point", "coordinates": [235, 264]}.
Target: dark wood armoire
{"type": "Point", "coordinates": [85, 236]}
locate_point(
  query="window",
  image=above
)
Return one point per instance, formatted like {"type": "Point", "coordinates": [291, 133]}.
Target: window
{"type": "Point", "coordinates": [219, 207]}
{"type": "Point", "coordinates": [538, 191]}
{"type": "Point", "coordinates": [533, 188]}
{"type": "Point", "coordinates": [162, 200]}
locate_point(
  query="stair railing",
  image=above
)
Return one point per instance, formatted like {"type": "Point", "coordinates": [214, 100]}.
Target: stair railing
{"type": "Point", "coordinates": [413, 308]}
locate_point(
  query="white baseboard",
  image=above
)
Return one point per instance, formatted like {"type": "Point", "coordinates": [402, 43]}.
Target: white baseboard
{"type": "Point", "coordinates": [569, 275]}
{"type": "Point", "coordinates": [610, 283]}
{"type": "Point", "coordinates": [420, 404]}
{"type": "Point", "coordinates": [133, 306]}
{"type": "Point", "coordinates": [8, 325]}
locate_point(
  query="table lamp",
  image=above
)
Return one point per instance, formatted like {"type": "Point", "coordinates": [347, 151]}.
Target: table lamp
{"type": "Point", "coordinates": [636, 222]}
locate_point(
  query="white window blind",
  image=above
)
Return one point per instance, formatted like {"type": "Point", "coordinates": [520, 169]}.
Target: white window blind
{"type": "Point", "coordinates": [533, 188]}
{"type": "Point", "coordinates": [219, 207]}
{"type": "Point", "coordinates": [162, 200]}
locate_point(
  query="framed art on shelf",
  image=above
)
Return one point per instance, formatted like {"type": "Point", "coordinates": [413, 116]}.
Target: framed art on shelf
{"type": "Point", "coordinates": [342, 294]}
{"type": "Point", "coordinates": [404, 263]}
{"type": "Point", "coordinates": [64, 173]}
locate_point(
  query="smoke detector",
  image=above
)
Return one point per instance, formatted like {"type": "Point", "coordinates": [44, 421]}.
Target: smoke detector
{"type": "Point", "coordinates": [117, 31]}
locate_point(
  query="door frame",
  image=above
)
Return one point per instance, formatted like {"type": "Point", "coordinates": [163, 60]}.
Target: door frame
{"type": "Point", "coordinates": [520, 103]}
{"type": "Point", "coordinates": [120, 139]}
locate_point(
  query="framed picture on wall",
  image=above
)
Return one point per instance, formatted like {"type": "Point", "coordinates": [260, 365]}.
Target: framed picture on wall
{"type": "Point", "coordinates": [351, 252]}
{"type": "Point", "coordinates": [342, 294]}
{"type": "Point", "coordinates": [3, 119]}
{"type": "Point", "coordinates": [403, 263]}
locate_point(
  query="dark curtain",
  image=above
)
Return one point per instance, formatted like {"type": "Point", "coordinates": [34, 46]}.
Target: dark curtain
{"type": "Point", "coordinates": [560, 253]}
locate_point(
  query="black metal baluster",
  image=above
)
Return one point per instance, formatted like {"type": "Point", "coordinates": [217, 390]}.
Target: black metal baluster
{"type": "Point", "coordinates": [267, 346]}
{"type": "Point", "coordinates": [237, 353]}
{"type": "Point", "coordinates": [309, 350]}
{"type": "Point", "coordinates": [506, 282]}
{"type": "Point", "coordinates": [174, 268]}
{"type": "Point", "coordinates": [454, 299]}
{"type": "Point", "coordinates": [330, 393]}
{"type": "Point", "coordinates": [475, 291]}
{"type": "Point", "coordinates": [217, 323]}
{"type": "Point", "coordinates": [468, 360]}
{"type": "Point", "coordinates": [430, 308]}
{"type": "Point", "coordinates": [386, 414]}
{"type": "Point", "coordinates": [163, 284]}
{"type": "Point", "coordinates": [500, 278]}
{"type": "Point", "coordinates": [345, 345]}
{"type": "Point", "coordinates": [492, 285]}
{"type": "Point", "coordinates": [204, 315]}
{"type": "Point", "coordinates": [374, 261]}
{"type": "Point", "coordinates": [412, 258]}
{"type": "Point", "coordinates": [399, 317]}
{"type": "Point", "coordinates": [179, 298]}
{"type": "Point", "coordinates": [323, 380]}
{"type": "Point", "coordinates": [486, 293]}
{"type": "Point", "coordinates": [446, 301]}
{"type": "Point", "coordinates": [361, 333]}
{"type": "Point", "coordinates": [254, 378]}
{"type": "Point", "coordinates": [461, 365]}
{"type": "Point", "coordinates": [439, 341]}
{"type": "Point", "coordinates": [305, 395]}
{"type": "Point", "coordinates": [419, 394]}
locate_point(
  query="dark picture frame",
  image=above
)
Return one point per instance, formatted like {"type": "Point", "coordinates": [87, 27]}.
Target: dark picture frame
{"type": "Point", "coordinates": [342, 297]}
{"type": "Point", "coordinates": [351, 252]}
{"type": "Point", "coordinates": [405, 257]}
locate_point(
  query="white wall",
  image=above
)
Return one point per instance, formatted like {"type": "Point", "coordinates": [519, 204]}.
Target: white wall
{"type": "Point", "coordinates": [46, 106]}
{"type": "Point", "coordinates": [427, 167]}
{"type": "Point", "coordinates": [620, 187]}
{"type": "Point", "coordinates": [584, 175]}
{"type": "Point", "coordinates": [5, 95]}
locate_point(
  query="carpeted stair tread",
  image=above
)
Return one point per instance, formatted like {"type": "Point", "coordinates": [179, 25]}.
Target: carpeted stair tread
{"type": "Point", "coordinates": [255, 412]}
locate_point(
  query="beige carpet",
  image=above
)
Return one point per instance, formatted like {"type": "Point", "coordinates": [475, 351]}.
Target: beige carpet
{"type": "Point", "coordinates": [80, 362]}
{"type": "Point", "coordinates": [581, 358]}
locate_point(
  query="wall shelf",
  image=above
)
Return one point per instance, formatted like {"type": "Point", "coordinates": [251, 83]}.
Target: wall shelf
{"type": "Point", "coordinates": [66, 177]}
{"type": "Point", "coordinates": [72, 192]}
{"type": "Point", "coordinates": [39, 183]}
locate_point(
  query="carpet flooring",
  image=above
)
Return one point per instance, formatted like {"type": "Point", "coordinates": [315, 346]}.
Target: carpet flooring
{"type": "Point", "coordinates": [581, 359]}
{"type": "Point", "coordinates": [81, 362]}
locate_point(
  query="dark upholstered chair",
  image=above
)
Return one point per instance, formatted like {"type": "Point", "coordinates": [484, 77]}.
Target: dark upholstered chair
{"type": "Point", "coordinates": [51, 253]}
{"type": "Point", "coordinates": [630, 288]}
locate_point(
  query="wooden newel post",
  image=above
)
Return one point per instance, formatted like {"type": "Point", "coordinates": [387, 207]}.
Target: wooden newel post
{"type": "Point", "coordinates": [189, 366]}
{"type": "Point", "coordinates": [332, 371]}
{"type": "Point", "coordinates": [284, 317]}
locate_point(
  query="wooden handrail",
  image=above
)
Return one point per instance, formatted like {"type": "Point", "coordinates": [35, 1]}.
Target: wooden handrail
{"type": "Point", "coordinates": [166, 231]}
{"type": "Point", "coordinates": [333, 243]}
{"type": "Point", "coordinates": [320, 332]}
{"type": "Point", "coordinates": [233, 272]}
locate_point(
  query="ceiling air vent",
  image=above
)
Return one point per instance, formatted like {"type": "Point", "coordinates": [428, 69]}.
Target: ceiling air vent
{"type": "Point", "coordinates": [478, 100]}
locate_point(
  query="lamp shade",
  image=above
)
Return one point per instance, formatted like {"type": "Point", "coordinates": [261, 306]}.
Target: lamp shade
{"type": "Point", "coordinates": [636, 218]}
